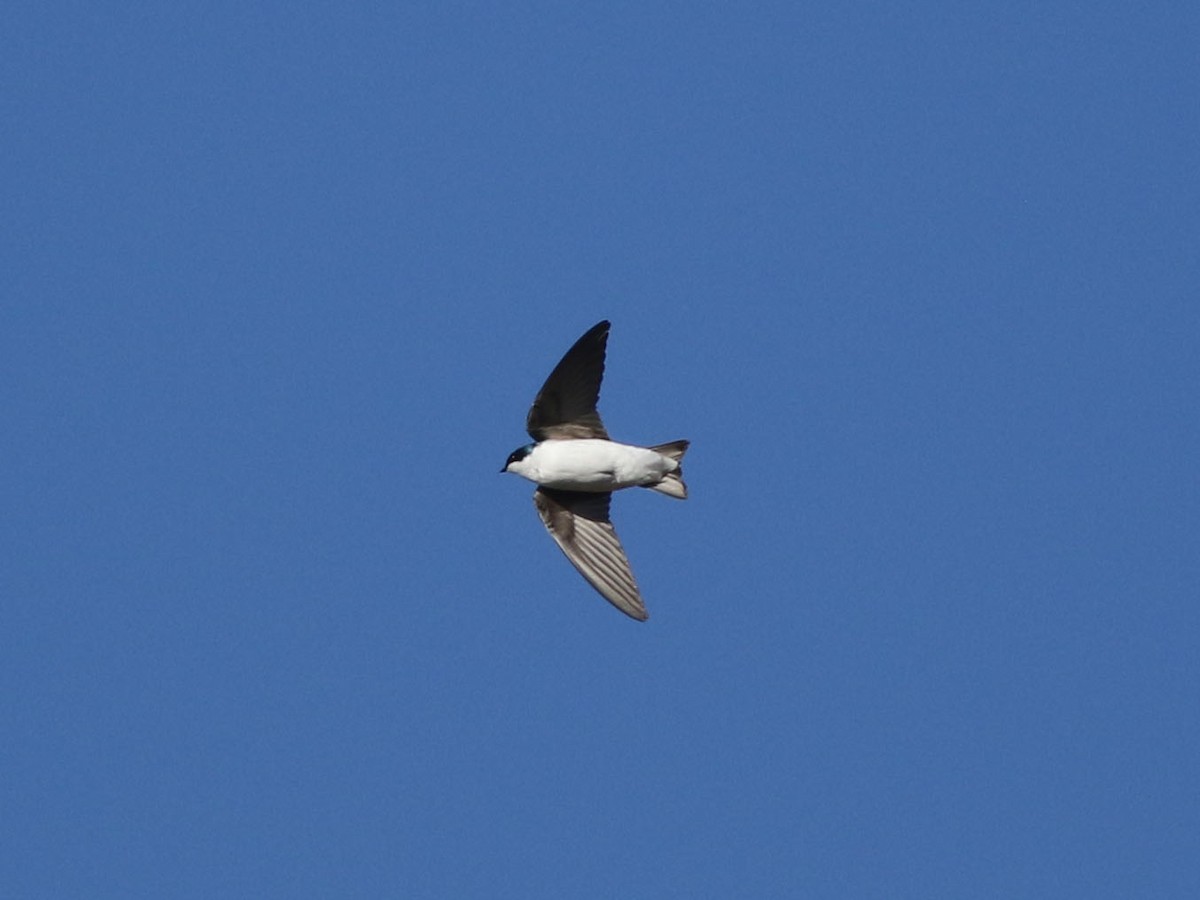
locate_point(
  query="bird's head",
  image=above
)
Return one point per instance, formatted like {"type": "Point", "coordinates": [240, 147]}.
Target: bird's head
{"type": "Point", "coordinates": [516, 459]}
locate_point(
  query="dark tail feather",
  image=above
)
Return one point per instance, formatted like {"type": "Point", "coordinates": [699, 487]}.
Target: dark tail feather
{"type": "Point", "coordinates": [672, 484]}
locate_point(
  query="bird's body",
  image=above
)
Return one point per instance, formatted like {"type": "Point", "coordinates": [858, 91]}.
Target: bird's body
{"type": "Point", "coordinates": [591, 464]}
{"type": "Point", "coordinates": [577, 467]}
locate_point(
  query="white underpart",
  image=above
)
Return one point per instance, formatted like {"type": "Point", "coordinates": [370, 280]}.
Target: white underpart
{"type": "Point", "coordinates": [593, 465]}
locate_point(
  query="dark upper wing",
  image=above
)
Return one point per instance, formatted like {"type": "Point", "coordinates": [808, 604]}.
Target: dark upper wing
{"type": "Point", "coordinates": [579, 524]}
{"type": "Point", "coordinates": [566, 405]}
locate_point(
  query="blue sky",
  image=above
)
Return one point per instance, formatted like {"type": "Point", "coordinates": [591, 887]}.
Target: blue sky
{"type": "Point", "coordinates": [920, 282]}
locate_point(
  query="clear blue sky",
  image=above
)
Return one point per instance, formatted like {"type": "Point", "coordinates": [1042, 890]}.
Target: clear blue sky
{"type": "Point", "coordinates": [921, 283]}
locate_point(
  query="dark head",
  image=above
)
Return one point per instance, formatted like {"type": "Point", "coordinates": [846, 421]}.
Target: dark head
{"type": "Point", "coordinates": [517, 455]}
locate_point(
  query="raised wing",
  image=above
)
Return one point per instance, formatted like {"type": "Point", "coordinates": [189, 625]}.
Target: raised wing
{"type": "Point", "coordinates": [579, 524]}
{"type": "Point", "coordinates": [566, 405]}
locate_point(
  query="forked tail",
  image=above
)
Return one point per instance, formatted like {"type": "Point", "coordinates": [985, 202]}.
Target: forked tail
{"type": "Point", "coordinates": [672, 484]}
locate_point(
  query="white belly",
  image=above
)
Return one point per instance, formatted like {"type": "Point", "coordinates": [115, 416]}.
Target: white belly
{"type": "Point", "coordinates": [595, 465]}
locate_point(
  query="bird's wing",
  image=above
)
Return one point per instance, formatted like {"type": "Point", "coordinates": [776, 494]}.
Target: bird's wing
{"type": "Point", "coordinates": [566, 405]}
{"type": "Point", "coordinates": [579, 524]}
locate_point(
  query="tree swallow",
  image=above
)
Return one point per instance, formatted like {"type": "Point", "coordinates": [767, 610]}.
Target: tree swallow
{"type": "Point", "coordinates": [577, 467]}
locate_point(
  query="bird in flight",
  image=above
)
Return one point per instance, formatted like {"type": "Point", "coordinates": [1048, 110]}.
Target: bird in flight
{"type": "Point", "coordinates": [576, 467]}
